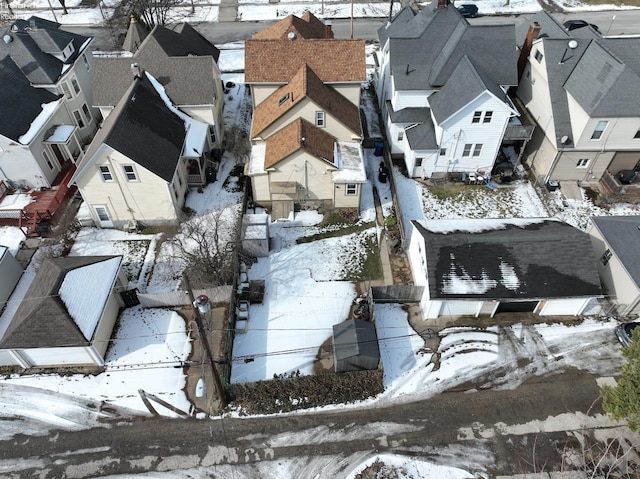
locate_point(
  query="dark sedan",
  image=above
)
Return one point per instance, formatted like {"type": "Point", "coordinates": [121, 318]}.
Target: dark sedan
{"type": "Point", "coordinates": [575, 24]}
{"type": "Point", "coordinates": [468, 10]}
{"type": "Point", "coordinates": [624, 332]}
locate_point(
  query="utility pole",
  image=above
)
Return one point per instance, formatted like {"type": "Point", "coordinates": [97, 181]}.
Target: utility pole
{"type": "Point", "coordinates": [205, 342]}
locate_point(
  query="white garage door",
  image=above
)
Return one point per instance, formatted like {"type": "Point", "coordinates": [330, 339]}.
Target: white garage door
{"type": "Point", "coordinates": [460, 308]}
{"type": "Point", "coordinates": [562, 307]}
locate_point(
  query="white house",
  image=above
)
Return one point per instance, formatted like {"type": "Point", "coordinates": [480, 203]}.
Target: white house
{"type": "Point", "coordinates": [65, 314]}
{"type": "Point", "coordinates": [483, 267]}
{"type": "Point", "coordinates": [45, 99]}
{"type": "Point", "coordinates": [441, 84]}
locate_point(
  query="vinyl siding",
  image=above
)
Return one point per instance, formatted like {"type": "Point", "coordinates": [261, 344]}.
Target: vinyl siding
{"type": "Point", "coordinates": [312, 183]}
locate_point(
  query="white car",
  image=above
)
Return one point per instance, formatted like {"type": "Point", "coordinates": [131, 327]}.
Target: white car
{"type": "Point", "coordinates": [242, 310]}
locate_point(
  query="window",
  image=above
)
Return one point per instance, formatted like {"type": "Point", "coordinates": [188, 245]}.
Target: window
{"type": "Point", "coordinates": [87, 113]}
{"type": "Point", "coordinates": [600, 127]}
{"type": "Point", "coordinates": [637, 135]}
{"type": "Point", "coordinates": [86, 62]}
{"type": "Point", "coordinates": [487, 117]}
{"type": "Point", "coordinates": [443, 151]}
{"type": "Point", "coordinates": [78, 117]}
{"type": "Point", "coordinates": [130, 172]}
{"type": "Point", "coordinates": [400, 135]}
{"type": "Point", "coordinates": [606, 256]}
{"type": "Point", "coordinates": [476, 117]}
{"type": "Point", "coordinates": [582, 163]}
{"type": "Point", "coordinates": [103, 214]}
{"type": "Point", "coordinates": [105, 171]}
{"type": "Point", "coordinates": [283, 99]}
{"type": "Point", "coordinates": [47, 159]}
{"type": "Point", "coordinates": [212, 134]}
{"type": "Point", "coordinates": [352, 189]}
{"type": "Point", "coordinates": [66, 90]}
{"type": "Point", "coordinates": [419, 161]}
{"type": "Point", "coordinates": [179, 175]}
{"type": "Point", "coordinates": [469, 147]}
{"type": "Point", "coordinates": [74, 84]}
{"type": "Point", "coordinates": [175, 191]}
{"type": "Point", "coordinates": [320, 119]}
{"type": "Point", "coordinates": [539, 56]}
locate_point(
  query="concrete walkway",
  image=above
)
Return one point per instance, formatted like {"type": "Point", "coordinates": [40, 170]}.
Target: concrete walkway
{"type": "Point", "coordinates": [384, 249]}
{"type": "Point", "coordinates": [228, 11]}
{"type": "Point", "coordinates": [571, 190]}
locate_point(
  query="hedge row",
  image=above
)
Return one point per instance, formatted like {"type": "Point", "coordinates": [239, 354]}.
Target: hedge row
{"type": "Point", "coordinates": [284, 394]}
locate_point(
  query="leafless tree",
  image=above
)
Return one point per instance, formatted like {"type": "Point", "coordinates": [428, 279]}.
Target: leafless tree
{"type": "Point", "coordinates": [157, 12]}
{"type": "Point", "coordinates": [207, 247]}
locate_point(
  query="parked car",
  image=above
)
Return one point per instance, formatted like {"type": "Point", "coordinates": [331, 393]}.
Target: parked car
{"type": "Point", "coordinates": [626, 177]}
{"type": "Point", "coordinates": [242, 310]}
{"type": "Point", "coordinates": [575, 24]}
{"type": "Point", "coordinates": [624, 332]}
{"type": "Point", "coordinates": [468, 10]}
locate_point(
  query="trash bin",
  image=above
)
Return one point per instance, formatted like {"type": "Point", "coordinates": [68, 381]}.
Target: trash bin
{"type": "Point", "coordinates": [211, 174]}
{"type": "Point", "coordinates": [379, 148]}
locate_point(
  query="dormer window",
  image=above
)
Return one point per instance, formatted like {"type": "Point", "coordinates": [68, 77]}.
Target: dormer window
{"type": "Point", "coordinates": [68, 51]}
{"type": "Point", "coordinates": [538, 56]}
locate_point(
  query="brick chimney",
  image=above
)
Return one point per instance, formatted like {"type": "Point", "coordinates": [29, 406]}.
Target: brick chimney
{"type": "Point", "coordinates": [328, 30]}
{"type": "Point", "coordinates": [532, 34]}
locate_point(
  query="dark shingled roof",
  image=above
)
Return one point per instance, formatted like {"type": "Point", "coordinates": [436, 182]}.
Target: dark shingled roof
{"type": "Point", "coordinates": [42, 320]}
{"type": "Point", "coordinates": [33, 45]}
{"type": "Point", "coordinates": [508, 259]}
{"type": "Point", "coordinates": [354, 339]}
{"type": "Point", "coordinates": [144, 129]}
{"type": "Point", "coordinates": [183, 61]}
{"type": "Point", "coordinates": [20, 98]}
{"type": "Point", "coordinates": [622, 233]}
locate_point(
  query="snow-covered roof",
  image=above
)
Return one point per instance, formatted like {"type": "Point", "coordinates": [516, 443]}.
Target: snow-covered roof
{"type": "Point", "coordinates": [48, 109]}
{"type": "Point", "coordinates": [349, 162]}
{"type": "Point", "coordinates": [60, 133]}
{"type": "Point", "coordinates": [507, 259]}
{"type": "Point", "coordinates": [85, 291]}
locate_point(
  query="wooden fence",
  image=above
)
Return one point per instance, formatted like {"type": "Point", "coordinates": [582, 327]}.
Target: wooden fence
{"type": "Point", "coordinates": [397, 293]}
{"type": "Point", "coordinates": [218, 294]}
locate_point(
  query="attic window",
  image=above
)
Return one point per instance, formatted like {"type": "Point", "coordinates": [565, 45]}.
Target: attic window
{"type": "Point", "coordinates": [604, 259]}
{"type": "Point", "coordinates": [539, 56]}
{"type": "Point", "coordinates": [284, 99]}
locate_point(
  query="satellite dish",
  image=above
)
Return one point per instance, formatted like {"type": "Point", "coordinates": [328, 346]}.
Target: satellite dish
{"type": "Point", "coordinates": [7, 38]}
{"type": "Point", "coordinates": [564, 139]}
{"type": "Point", "coordinates": [291, 36]}
{"type": "Point", "coordinates": [573, 44]}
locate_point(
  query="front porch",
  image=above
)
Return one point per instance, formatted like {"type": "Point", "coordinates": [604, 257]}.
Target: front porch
{"type": "Point", "coordinates": [34, 211]}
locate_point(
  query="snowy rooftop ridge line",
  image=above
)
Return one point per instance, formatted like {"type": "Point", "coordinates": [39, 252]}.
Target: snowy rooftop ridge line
{"type": "Point", "coordinates": [478, 225]}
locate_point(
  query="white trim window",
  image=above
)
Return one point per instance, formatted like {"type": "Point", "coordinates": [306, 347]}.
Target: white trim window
{"type": "Point", "coordinates": [401, 135]}
{"type": "Point", "coordinates": [320, 119]}
{"type": "Point", "coordinates": [87, 113]}
{"type": "Point", "coordinates": [66, 90]}
{"type": "Point", "coordinates": [470, 147]}
{"type": "Point", "coordinates": [47, 159]}
{"type": "Point", "coordinates": [85, 60]}
{"type": "Point", "coordinates": [105, 172]}
{"type": "Point", "coordinates": [582, 163]}
{"type": "Point", "coordinates": [130, 172]}
{"type": "Point", "coordinates": [78, 117]}
{"type": "Point", "coordinates": [599, 130]}
{"type": "Point", "coordinates": [351, 189]}
{"type": "Point", "coordinates": [75, 85]}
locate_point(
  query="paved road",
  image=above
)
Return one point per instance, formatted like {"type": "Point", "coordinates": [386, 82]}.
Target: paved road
{"type": "Point", "coordinates": [487, 431]}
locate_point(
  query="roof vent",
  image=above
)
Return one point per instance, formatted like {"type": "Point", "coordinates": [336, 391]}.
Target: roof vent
{"type": "Point", "coordinates": [291, 36]}
{"type": "Point", "coordinates": [7, 38]}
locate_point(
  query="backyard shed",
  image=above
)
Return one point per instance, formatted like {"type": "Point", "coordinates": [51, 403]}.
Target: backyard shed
{"type": "Point", "coordinates": [355, 346]}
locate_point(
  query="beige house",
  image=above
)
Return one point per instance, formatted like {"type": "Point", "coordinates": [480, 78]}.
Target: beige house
{"type": "Point", "coordinates": [581, 90]}
{"type": "Point", "coordinates": [135, 170]}
{"type": "Point", "coordinates": [185, 63]}
{"type": "Point", "coordinates": [65, 315]}
{"type": "Point", "coordinates": [615, 242]}
{"type": "Point", "coordinates": [306, 128]}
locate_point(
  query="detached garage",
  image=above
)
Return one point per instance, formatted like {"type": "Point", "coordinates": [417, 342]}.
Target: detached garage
{"type": "Point", "coordinates": [66, 315]}
{"type": "Point", "coordinates": [489, 266]}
